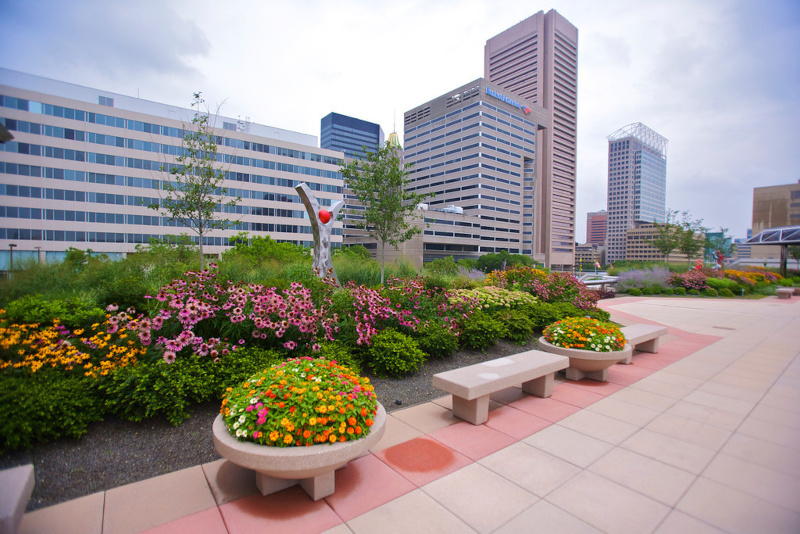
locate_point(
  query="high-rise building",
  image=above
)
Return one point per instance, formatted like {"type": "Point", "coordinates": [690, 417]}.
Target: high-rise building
{"type": "Point", "coordinates": [476, 148]}
{"type": "Point", "coordinates": [774, 206]}
{"type": "Point", "coordinates": [349, 135]}
{"type": "Point", "coordinates": [537, 59]}
{"type": "Point", "coordinates": [85, 163]}
{"type": "Point", "coordinates": [596, 227]}
{"type": "Point", "coordinates": [637, 182]}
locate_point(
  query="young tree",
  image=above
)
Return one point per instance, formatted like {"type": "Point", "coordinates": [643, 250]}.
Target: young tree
{"type": "Point", "coordinates": [194, 191]}
{"type": "Point", "coordinates": [692, 236]}
{"type": "Point", "coordinates": [669, 234]}
{"type": "Point", "coordinates": [378, 182]}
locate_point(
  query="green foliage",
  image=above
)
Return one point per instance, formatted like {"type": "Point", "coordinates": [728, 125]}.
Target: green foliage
{"type": "Point", "coordinates": [668, 291]}
{"type": "Point", "coordinates": [492, 298]}
{"type": "Point", "coordinates": [45, 406]}
{"type": "Point", "coordinates": [668, 235]}
{"type": "Point", "coordinates": [259, 250]}
{"type": "Point", "coordinates": [495, 261]}
{"type": "Point", "coordinates": [680, 290]}
{"type": "Point", "coordinates": [442, 266]}
{"type": "Point", "coordinates": [481, 331]}
{"type": "Point", "coordinates": [722, 283]}
{"type": "Point", "coordinates": [519, 326]}
{"type": "Point", "coordinates": [785, 282]}
{"type": "Point", "coordinates": [710, 292]}
{"type": "Point", "coordinates": [692, 236]}
{"type": "Point", "coordinates": [237, 366]}
{"type": "Point", "coordinates": [635, 292]}
{"type": "Point", "coordinates": [196, 188]}
{"type": "Point", "coordinates": [693, 292]}
{"type": "Point", "coordinates": [339, 353]}
{"type": "Point", "coordinates": [358, 252]}
{"type": "Point", "coordinates": [394, 354]}
{"type": "Point", "coordinates": [73, 312]}
{"type": "Point", "coordinates": [436, 340]}
{"type": "Point", "coordinates": [725, 292]}
{"type": "Point", "coordinates": [378, 183]}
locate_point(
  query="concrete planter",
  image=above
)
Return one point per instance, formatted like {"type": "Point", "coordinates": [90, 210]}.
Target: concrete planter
{"type": "Point", "coordinates": [587, 363]}
{"type": "Point", "coordinates": [278, 468]}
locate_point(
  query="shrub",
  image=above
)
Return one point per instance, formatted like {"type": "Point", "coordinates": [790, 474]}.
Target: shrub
{"type": "Point", "coordinates": [394, 354]}
{"type": "Point", "coordinates": [725, 292]}
{"type": "Point", "coordinates": [641, 278]}
{"type": "Point", "coordinates": [338, 353]}
{"type": "Point", "coordinates": [72, 312]}
{"type": "Point", "coordinates": [519, 327]}
{"type": "Point", "coordinates": [45, 406]}
{"type": "Point", "coordinates": [240, 364]}
{"type": "Point", "coordinates": [436, 340]}
{"type": "Point", "coordinates": [668, 291]}
{"type": "Point", "coordinates": [548, 287]}
{"type": "Point", "coordinates": [482, 331]}
{"type": "Point", "coordinates": [543, 314]}
{"type": "Point", "coordinates": [722, 283]}
{"type": "Point", "coordinates": [597, 313]}
{"type": "Point", "coordinates": [300, 402]}
{"type": "Point", "coordinates": [586, 334]}
{"type": "Point", "coordinates": [680, 290]}
{"type": "Point", "coordinates": [785, 282]}
{"type": "Point", "coordinates": [694, 279]}
{"type": "Point", "coordinates": [693, 292]}
{"type": "Point", "coordinates": [710, 292]}
{"type": "Point", "coordinates": [492, 298]}
{"type": "Point", "coordinates": [635, 292]}
{"type": "Point", "coordinates": [646, 291]}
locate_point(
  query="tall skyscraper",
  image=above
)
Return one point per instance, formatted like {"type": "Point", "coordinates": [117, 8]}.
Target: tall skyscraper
{"type": "Point", "coordinates": [637, 183]}
{"type": "Point", "coordinates": [596, 227]}
{"type": "Point", "coordinates": [349, 135]}
{"type": "Point", "coordinates": [538, 60]}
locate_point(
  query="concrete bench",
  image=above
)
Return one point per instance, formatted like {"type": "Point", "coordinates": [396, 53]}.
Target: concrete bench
{"type": "Point", "coordinates": [643, 337]}
{"type": "Point", "coordinates": [472, 385]}
{"type": "Point", "coordinates": [16, 486]}
{"type": "Point", "coordinates": [784, 292]}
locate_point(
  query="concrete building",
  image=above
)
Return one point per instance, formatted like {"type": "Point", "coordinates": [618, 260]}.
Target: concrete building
{"type": "Point", "coordinates": [596, 227]}
{"type": "Point", "coordinates": [773, 207]}
{"type": "Point", "coordinates": [476, 148]}
{"type": "Point", "coordinates": [587, 254]}
{"type": "Point", "coordinates": [537, 59]}
{"type": "Point", "coordinates": [639, 248]}
{"type": "Point", "coordinates": [85, 163]}
{"type": "Point", "coordinates": [637, 182]}
{"type": "Point", "coordinates": [349, 135]}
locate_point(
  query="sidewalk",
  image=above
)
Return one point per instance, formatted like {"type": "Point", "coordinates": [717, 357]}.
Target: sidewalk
{"type": "Point", "coordinates": [702, 437]}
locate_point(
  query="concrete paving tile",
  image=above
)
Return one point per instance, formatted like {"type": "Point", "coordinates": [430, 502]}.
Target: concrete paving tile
{"type": "Point", "coordinates": [599, 426]}
{"type": "Point", "coordinates": [645, 398]}
{"type": "Point", "coordinates": [775, 433]}
{"type": "Point", "coordinates": [665, 375]}
{"type": "Point", "coordinates": [229, 481]}
{"type": "Point", "coordinates": [78, 516]}
{"type": "Point", "coordinates": [473, 441]}
{"type": "Point", "coordinates": [544, 517]}
{"type": "Point", "coordinates": [515, 423]}
{"type": "Point", "coordinates": [580, 397]}
{"type": "Point", "coordinates": [707, 415]}
{"type": "Point", "coordinates": [607, 505]}
{"type": "Point", "coordinates": [764, 453]}
{"type": "Point", "coordinates": [548, 409]}
{"type": "Point", "coordinates": [672, 451]}
{"type": "Point", "coordinates": [690, 431]}
{"type": "Point", "coordinates": [426, 417]}
{"type": "Point", "coordinates": [423, 460]}
{"type": "Point", "coordinates": [755, 479]}
{"type": "Point", "coordinates": [735, 511]}
{"type": "Point", "coordinates": [205, 522]}
{"type": "Point", "coordinates": [290, 510]}
{"type": "Point", "coordinates": [339, 529]}
{"type": "Point", "coordinates": [395, 431]}
{"type": "Point", "coordinates": [774, 414]}
{"type": "Point", "coordinates": [573, 447]}
{"type": "Point", "coordinates": [649, 477]}
{"type": "Point", "coordinates": [664, 389]}
{"type": "Point", "coordinates": [530, 468]}
{"type": "Point", "coordinates": [680, 523]}
{"type": "Point", "coordinates": [152, 502]}
{"type": "Point", "coordinates": [735, 392]}
{"type": "Point", "coordinates": [625, 411]}
{"type": "Point", "coordinates": [481, 498]}
{"type": "Point", "coordinates": [413, 513]}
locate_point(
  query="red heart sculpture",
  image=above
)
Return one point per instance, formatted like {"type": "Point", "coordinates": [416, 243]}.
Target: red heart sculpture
{"type": "Point", "coordinates": [324, 216]}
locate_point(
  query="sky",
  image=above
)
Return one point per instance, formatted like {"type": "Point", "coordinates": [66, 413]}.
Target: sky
{"type": "Point", "coordinates": [720, 79]}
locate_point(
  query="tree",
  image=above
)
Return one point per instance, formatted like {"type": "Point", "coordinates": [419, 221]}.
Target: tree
{"type": "Point", "coordinates": [378, 183]}
{"type": "Point", "coordinates": [692, 236]}
{"type": "Point", "coordinates": [794, 252]}
{"type": "Point", "coordinates": [195, 191]}
{"type": "Point", "coordinates": [669, 234]}
{"type": "Point", "coordinates": [719, 246]}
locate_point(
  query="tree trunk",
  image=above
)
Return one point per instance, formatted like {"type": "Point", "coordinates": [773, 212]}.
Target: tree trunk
{"type": "Point", "coordinates": [202, 256]}
{"type": "Point", "coordinates": [383, 259]}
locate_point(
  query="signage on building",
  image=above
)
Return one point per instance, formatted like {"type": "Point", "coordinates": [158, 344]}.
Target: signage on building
{"type": "Point", "coordinates": [507, 100]}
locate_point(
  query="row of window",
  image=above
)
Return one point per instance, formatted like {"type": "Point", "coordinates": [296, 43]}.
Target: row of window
{"type": "Point", "coordinates": [461, 110]}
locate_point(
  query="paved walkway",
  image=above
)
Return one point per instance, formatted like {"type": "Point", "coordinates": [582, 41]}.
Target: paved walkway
{"type": "Point", "coordinates": [702, 437]}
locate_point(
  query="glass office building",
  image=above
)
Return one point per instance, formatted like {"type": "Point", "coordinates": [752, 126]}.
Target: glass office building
{"type": "Point", "coordinates": [349, 135]}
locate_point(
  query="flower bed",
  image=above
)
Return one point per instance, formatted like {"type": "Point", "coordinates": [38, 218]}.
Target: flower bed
{"type": "Point", "coordinates": [585, 334]}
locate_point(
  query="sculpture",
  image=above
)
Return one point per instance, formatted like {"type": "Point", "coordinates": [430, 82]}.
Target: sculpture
{"type": "Point", "coordinates": [321, 225]}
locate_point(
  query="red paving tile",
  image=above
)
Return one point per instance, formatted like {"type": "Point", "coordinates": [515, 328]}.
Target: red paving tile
{"type": "Point", "coordinates": [423, 460]}
{"type": "Point", "coordinates": [549, 409]}
{"type": "Point", "coordinates": [601, 388]}
{"type": "Point", "coordinates": [576, 396]}
{"type": "Point", "coordinates": [365, 484]}
{"type": "Point", "coordinates": [290, 510]}
{"type": "Point", "coordinates": [473, 441]}
{"type": "Point", "coordinates": [205, 522]}
{"type": "Point", "coordinates": [515, 423]}
{"type": "Point", "coordinates": [625, 375]}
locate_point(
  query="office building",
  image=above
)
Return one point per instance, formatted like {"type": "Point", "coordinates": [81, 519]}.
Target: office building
{"type": "Point", "coordinates": [639, 247]}
{"type": "Point", "coordinates": [476, 148]}
{"type": "Point", "coordinates": [637, 183]}
{"type": "Point", "coordinates": [349, 135]}
{"type": "Point", "coordinates": [596, 227]}
{"type": "Point", "coordinates": [537, 59]}
{"type": "Point", "coordinates": [774, 206]}
{"type": "Point", "coordinates": [85, 163]}
{"type": "Point", "coordinates": [587, 254]}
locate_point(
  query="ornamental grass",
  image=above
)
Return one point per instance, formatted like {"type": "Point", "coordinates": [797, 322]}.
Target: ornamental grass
{"type": "Point", "coordinates": [301, 402]}
{"type": "Point", "coordinates": [586, 334]}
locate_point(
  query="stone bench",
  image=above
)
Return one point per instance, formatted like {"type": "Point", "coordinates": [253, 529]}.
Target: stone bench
{"type": "Point", "coordinates": [16, 486]}
{"type": "Point", "coordinates": [472, 385]}
{"type": "Point", "coordinates": [643, 337]}
{"type": "Point", "coordinates": [784, 292]}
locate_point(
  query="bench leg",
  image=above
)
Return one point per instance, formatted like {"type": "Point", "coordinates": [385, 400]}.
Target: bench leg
{"type": "Point", "coordinates": [541, 387]}
{"type": "Point", "coordinates": [577, 374]}
{"type": "Point", "coordinates": [475, 411]}
{"type": "Point", "coordinates": [648, 346]}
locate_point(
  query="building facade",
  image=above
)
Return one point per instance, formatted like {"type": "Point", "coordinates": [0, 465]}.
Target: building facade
{"type": "Point", "coordinates": [84, 165]}
{"type": "Point", "coordinates": [349, 135]}
{"type": "Point", "coordinates": [773, 207]}
{"type": "Point", "coordinates": [638, 245]}
{"type": "Point", "coordinates": [537, 59]}
{"type": "Point", "coordinates": [637, 182]}
{"type": "Point", "coordinates": [476, 149]}
{"type": "Point", "coordinates": [596, 227]}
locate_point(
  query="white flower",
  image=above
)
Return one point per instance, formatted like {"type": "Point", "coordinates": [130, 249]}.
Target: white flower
{"type": "Point", "coordinates": [235, 426]}
{"type": "Point", "coordinates": [238, 433]}
{"type": "Point", "coordinates": [244, 433]}
{"type": "Point", "coordinates": [242, 419]}
{"type": "Point", "coordinates": [254, 400]}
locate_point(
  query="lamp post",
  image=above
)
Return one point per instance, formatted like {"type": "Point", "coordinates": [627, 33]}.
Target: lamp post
{"type": "Point", "coordinates": [11, 257]}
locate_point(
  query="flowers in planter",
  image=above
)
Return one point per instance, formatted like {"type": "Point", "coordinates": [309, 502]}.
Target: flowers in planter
{"type": "Point", "coordinates": [300, 402]}
{"type": "Point", "coordinates": [586, 334]}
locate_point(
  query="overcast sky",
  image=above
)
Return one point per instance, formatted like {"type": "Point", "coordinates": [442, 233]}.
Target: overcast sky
{"type": "Point", "coordinates": [719, 78]}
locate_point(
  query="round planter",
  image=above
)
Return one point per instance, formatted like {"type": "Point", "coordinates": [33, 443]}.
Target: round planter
{"type": "Point", "coordinates": [587, 363]}
{"type": "Point", "coordinates": [312, 467]}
